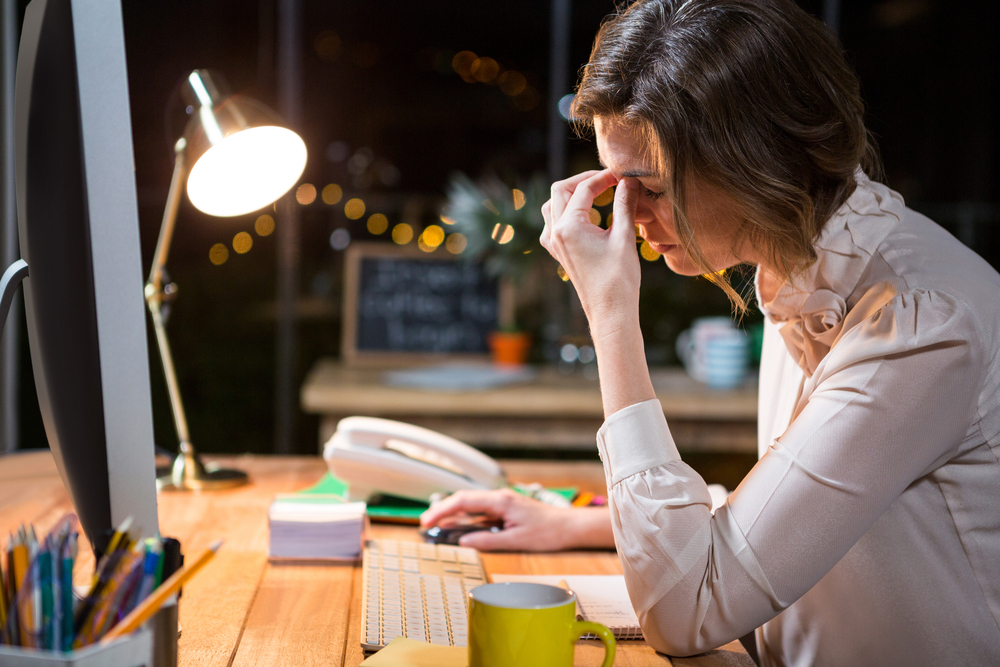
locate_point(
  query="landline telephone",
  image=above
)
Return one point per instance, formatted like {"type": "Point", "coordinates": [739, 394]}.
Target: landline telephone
{"type": "Point", "coordinates": [384, 456]}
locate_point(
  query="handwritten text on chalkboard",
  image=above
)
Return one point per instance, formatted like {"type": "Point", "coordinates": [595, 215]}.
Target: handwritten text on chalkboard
{"type": "Point", "coordinates": [415, 305]}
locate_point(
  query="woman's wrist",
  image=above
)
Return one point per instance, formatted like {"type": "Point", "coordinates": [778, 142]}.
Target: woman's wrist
{"type": "Point", "coordinates": [589, 528]}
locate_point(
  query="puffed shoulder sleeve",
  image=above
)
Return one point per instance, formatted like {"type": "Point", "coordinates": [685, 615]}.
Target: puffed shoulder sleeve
{"type": "Point", "coordinates": [892, 400]}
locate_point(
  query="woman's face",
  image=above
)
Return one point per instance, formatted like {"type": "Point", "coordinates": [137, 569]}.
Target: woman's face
{"type": "Point", "coordinates": [713, 216]}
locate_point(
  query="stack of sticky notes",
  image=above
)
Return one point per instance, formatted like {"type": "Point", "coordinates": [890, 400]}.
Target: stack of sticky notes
{"type": "Point", "coordinates": [315, 527]}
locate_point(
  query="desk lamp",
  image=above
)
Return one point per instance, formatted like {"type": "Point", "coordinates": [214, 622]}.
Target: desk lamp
{"type": "Point", "coordinates": [235, 158]}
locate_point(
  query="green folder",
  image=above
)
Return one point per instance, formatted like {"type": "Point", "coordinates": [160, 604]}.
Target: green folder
{"type": "Point", "coordinates": [386, 508]}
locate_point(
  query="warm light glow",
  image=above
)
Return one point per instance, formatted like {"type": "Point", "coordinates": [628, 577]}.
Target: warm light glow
{"type": "Point", "coordinates": [218, 254]}
{"type": "Point", "coordinates": [456, 243]}
{"type": "Point", "coordinates": [433, 236]}
{"type": "Point", "coordinates": [647, 252]}
{"type": "Point", "coordinates": [305, 194]}
{"type": "Point", "coordinates": [512, 83]}
{"type": "Point", "coordinates": [496, 231]}
{"type": "Point", "coordinates": [491, 207]}
{"type": "Point", "coordinates": [605, 197]}
{"type": "Point", "coordinates": [484, 69]}
{"type": "Point", "coordinates": [446, 220]}
{"type": "Point", "coordinates": [611, 219]}
{"type": "Point", "coordinates": [332, 194]}
{"type": "Point", "coordinates": [354, 209]}
{"type": "Point", "coordinates": [242, 243]}
{"type": "Point", "coordinates": [378, 223]}
{"type": "Point", "coordinates": [638, 235]}
{"type": "Point", "coordinates": [595, 216]}
{"type": "Point", "coordinates": [264, 225]}
{"type": "Point", "coordinates": [508, 235]}
{"type": "Point", "coordinates": [423, 246]}
{"type": "Point", "coordinates": [462, 64]}
{"type": "Point", "coordinates": [562, 273]}
{"type": "Point", "coordinates": [518, 199]}
{"type": "Point", "coordinates": [402, 233]}
{"type": "Point", "coordinates": [246, 171]}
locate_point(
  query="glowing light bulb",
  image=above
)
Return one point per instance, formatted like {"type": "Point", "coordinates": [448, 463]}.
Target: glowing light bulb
{"type": "Point", "coordinates": [246, 171]}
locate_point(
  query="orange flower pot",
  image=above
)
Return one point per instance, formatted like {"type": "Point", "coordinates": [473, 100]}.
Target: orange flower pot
{"type": "Point", "coordinates": [509, 348]}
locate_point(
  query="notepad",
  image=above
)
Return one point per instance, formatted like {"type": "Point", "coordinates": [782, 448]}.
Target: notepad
{"type": "Point", "coordinates": [603, 599]}
{"type": "Point", "coordinates": [402, 652]}
{"type": "Point", "coordinates": [315, 527]}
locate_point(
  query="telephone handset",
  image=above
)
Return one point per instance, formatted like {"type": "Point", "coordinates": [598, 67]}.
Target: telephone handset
{"type": "Point", "coordinates": [384, 456]}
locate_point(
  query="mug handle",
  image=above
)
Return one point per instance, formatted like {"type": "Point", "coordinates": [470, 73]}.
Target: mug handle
{"type": "Point", "coordinates": [580, 628]}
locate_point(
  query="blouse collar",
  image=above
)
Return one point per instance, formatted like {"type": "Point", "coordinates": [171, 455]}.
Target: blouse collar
{"type": "Point", "coordinates": [809, 309]}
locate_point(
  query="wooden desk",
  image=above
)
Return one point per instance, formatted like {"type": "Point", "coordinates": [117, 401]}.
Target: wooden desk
{"type": "Point", "coordinates": [554, 411]}
{"type": "Point", "coordinates": [243, 611]}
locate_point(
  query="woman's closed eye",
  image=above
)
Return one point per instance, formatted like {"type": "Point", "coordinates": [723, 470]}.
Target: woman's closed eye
{"type": "Point", "coordinates": [652, 196]}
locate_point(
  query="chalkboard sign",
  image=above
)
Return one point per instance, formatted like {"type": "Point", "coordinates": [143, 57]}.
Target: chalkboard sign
{"type": "Point", "coordinates": [402, 304]}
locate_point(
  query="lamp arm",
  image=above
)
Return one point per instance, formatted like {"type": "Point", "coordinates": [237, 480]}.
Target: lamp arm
{"type": "Point", "coordinates": [173, 389]}
{"type": "Point", "coordinates": [154, 293]}
{"type": "Point", "coordinates": [155, 284]}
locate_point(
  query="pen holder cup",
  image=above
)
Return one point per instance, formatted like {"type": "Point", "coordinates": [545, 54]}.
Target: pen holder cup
{"type": "Point", "coordinates": [166, 631]}
{"type": "Point", "coordinates": [135, 650]}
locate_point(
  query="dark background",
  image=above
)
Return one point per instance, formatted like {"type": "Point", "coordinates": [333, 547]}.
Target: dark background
{"type": "Point", "coordinates": [379, 90]}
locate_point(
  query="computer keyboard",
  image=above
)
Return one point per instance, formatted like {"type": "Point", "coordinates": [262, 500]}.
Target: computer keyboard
{"type": "Point", "coordinates": [417, 590]}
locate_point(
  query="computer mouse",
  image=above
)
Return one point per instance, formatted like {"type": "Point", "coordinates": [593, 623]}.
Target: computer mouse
{"type": "Point", "coordinates": [451, 529]}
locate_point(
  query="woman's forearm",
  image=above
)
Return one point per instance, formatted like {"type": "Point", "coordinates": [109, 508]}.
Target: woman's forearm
{"type": "Point", "coordinates": [621, 362]}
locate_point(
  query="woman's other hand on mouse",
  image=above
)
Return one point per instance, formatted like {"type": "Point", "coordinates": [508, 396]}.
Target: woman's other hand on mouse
{"type": "Point", "coordinates": [528, 525]}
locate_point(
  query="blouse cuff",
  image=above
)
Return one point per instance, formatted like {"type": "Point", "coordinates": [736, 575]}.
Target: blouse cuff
{"type": "Point", "coordinates": [635, 439]}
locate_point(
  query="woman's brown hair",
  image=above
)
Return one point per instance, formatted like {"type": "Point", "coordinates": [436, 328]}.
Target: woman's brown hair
{"type": "Point", "coordinates": [751, 97]}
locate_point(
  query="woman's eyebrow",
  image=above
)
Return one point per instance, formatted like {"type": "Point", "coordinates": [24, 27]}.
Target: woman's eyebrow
{"type": "Point", "coordinates": [629, 174]}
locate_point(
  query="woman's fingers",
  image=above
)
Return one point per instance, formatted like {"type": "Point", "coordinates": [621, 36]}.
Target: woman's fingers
{"type": "Point", "coordinates": [563, 190]}
{"type": "Point", "coordinates": [626, 199]}
{"type": "Point", "coordinates": [588, 189]}
{"type": "Point", "coordinates": [518, 538]}
{"type": "Point", "coordinates": [547, 216]}
{"type": "Point", "coordinates": [492, 503]}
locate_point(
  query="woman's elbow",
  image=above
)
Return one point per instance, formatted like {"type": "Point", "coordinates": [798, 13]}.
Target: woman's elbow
{"type": "Point", "coordinates": [680, 639]}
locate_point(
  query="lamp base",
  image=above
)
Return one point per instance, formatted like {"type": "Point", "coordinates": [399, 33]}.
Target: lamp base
{"type": "Point", "coordinates": [189, 474]}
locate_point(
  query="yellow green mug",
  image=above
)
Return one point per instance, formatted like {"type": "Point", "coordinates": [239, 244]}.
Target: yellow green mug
{"type": "Point", "coordinates": [528, 625]}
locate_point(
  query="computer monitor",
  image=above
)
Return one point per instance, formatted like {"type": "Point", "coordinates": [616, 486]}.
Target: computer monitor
{"type": "Point", "coordinates": [79, 234]}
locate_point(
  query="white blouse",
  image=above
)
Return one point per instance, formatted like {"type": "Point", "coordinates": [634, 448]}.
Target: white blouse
{"type": "Point", "coordinates": [868, 533]}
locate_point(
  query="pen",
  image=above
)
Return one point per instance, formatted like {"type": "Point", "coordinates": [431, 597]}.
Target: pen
{"type": "Point", "coordinates": [116, 537]}
{"type": "Point", "coordinates": [20, 574]}
{"type": "Point", "coordinates": [579, 610]}
{"type": "Point", "coordinates": [3, 588]}
{"type": "Point", "coordinates": [34, 571]}
{"type": "Point", "coordinates": [151, 604]}
{"type": "Point", "coordinates": [68, 557]}
{"type": "Point", "coordinates": [154, 559]}
{"type": "Point", "coordinates": [43, 598]}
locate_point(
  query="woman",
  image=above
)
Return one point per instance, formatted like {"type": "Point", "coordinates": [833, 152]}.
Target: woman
{"type": "Point", "coordinates": [868, 533]}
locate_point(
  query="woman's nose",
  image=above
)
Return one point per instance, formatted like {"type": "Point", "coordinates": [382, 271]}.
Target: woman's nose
{"type": "Point", "coordinates": [643, 215]}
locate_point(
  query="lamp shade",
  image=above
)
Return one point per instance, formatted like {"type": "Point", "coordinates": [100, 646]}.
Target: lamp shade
{"type": "Point", "coordinates": [241, 158]}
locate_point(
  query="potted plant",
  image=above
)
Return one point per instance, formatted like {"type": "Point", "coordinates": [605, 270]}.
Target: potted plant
{"type": "Point", "coordinates": [502, 226]}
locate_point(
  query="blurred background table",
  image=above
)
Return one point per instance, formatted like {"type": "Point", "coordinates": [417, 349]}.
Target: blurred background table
{"type": "Point", "coordinates": [552, 412]}
{"type": "Point", "coordinates": [242, 610]}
